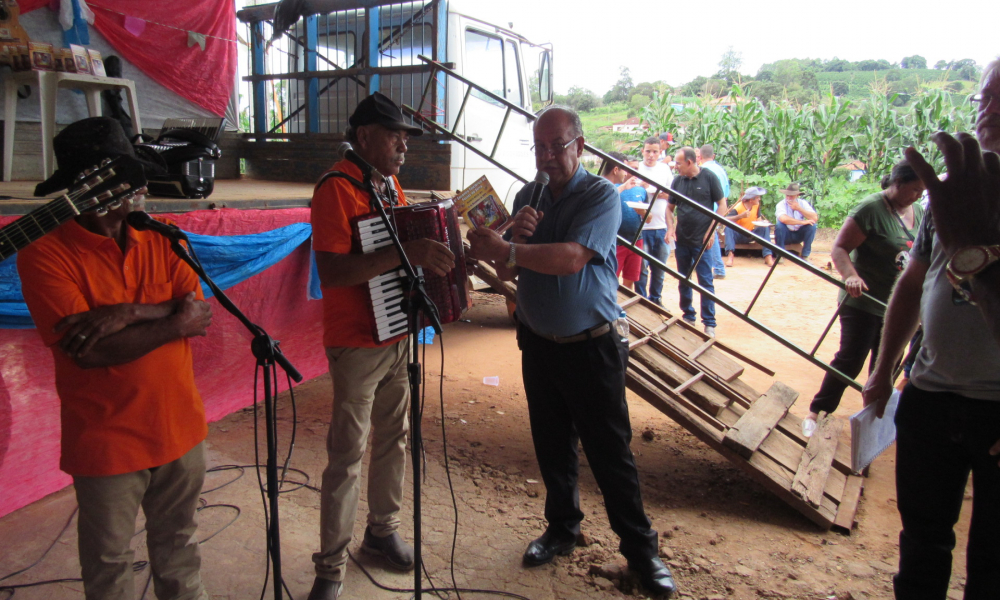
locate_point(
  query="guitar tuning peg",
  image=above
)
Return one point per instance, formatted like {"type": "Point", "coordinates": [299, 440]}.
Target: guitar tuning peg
{"type": "Point", "coordinates": [105, 162]}
{"type": "Point", "coordinates": [115, 205]}
{"type": "Point", "coordinates": [101, 212]}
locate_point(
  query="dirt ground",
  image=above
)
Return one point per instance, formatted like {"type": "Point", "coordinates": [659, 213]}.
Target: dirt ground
{"type": "Point", "coordinates": [723, 535]}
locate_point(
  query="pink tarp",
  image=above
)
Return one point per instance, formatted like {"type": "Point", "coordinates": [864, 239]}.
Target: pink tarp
{"type": "Point", "coordinates": [224, 367]}
{"type": "Point", "coordinates": [161, 49]}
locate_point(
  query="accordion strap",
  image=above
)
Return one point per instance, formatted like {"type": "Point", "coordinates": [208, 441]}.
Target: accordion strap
{"type": "Point", "coordinates": [331, 174]}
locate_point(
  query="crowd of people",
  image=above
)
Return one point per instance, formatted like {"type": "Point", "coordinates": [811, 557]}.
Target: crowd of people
{"type": "Point", "coordinates": [694, 174]}
{"type": "Point", "coordinates": [118, 308]}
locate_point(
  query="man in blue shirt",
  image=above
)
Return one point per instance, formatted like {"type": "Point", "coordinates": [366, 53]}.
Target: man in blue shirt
{"type": "Point", "coordinates": [707, 160]}
{"type": "Point", "coordinates": [574, 346]}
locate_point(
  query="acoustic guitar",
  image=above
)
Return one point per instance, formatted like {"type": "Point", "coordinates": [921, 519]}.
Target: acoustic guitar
{"type": "Point", "coordinates": [101, 189]}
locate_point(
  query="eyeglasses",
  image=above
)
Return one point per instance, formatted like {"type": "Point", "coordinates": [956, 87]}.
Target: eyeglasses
{"type": "Point", "coordinates": [557, 150]}
{"type": "Point", "coordinates": [984, 99]}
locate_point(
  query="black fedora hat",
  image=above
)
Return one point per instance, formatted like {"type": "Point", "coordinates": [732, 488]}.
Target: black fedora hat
{"type": "Point", "coordinates": [84, 144]}
{"type": "Point", "coordinates": [378, 109]}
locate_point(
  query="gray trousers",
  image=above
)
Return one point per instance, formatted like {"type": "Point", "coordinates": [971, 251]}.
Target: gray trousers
{"type": "Point", "coordinates": [370, 392]}
{"type": "Point", "coordinates": [109, 505]}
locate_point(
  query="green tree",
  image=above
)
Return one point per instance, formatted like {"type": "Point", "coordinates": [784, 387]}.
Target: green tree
{"type": "Point", "coordinates": [729, 66]}
{"type": "Point", "coordinates": [638, 101]}
{"type": "Point", "coordinates": [582, 100]}
{"type": "Point", "coordinates": [621, 91]}
{"type": "Point", "coordinates": [913, 62]}
{"type": "Point", "coordinates": [838, 65]}
{"type": "Point", "coordinates": [694, 87]}
{"type": "Point", "coordinates": [941, 65]}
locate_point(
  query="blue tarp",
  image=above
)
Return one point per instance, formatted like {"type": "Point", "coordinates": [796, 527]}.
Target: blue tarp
{"type": "Point", "coordinates": [228, 260]}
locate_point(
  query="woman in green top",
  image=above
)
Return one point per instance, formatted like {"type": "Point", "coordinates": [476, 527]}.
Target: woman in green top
{"type": "Point", "coordinates": [871, 250]}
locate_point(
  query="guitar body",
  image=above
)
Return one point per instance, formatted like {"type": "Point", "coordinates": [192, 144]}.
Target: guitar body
{"type": "Point", "coordinates": [11, 31]}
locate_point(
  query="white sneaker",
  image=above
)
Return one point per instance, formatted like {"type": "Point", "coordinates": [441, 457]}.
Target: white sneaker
{"type": "Point", "coordinates": [808, 427]}
{"type": "Point", "coordinates": [710, 331]}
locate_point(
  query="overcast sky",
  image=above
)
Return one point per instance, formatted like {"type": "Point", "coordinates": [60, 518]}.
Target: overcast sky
{"type": "Point", "coordinates": [676, 40]}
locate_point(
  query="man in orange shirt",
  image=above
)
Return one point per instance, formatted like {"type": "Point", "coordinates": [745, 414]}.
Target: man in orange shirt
{"type": "Point", "coordinates": [745, 215]}
{"type": "Point", "coordinates": [117, 307]}
{"type": "Point", "coordinates": [370, 388]}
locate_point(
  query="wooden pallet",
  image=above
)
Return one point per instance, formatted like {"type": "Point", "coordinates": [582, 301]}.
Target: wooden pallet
{"type": "Point", "coordinates": [694, 380]}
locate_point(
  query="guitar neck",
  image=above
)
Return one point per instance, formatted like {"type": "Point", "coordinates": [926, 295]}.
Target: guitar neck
{"type": "Point", "coordinates": [17, 235]}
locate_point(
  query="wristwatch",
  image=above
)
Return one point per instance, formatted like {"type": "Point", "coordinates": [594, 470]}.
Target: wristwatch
{"type": "Point", "coordinates": [512, 259]}
{"type": "Point", "coordinates": [968, 262]}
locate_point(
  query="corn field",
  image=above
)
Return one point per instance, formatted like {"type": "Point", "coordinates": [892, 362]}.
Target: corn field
{"type": "Point", "coordinates": [772, 145]}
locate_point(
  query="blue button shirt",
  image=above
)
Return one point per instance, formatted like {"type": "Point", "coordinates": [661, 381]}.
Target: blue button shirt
{"type": "Point", "coordinates": [587, 212]}
{"type": "Point", "coordinates": [720, 172]}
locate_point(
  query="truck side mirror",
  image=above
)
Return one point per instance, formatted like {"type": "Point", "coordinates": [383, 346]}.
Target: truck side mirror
{"type": "Point", "coordinates": [545, 77]}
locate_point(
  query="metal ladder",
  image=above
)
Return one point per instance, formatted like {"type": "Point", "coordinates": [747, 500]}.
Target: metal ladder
{"type": "Point", "coordinates": [440, 70]}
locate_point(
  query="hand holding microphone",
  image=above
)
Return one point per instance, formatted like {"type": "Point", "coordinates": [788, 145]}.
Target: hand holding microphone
{"type": "Point", "coordinates": [526, 219]}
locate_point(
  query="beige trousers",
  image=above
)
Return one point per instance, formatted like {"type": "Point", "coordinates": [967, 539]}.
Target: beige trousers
{"type": "Point", "coordinates": [108, 507]}
{"type": "Point", "coordinates": [370, 392]}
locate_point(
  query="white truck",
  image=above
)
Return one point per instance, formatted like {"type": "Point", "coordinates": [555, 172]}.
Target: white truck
{"type": "Point", "coordinates": [303, 86]}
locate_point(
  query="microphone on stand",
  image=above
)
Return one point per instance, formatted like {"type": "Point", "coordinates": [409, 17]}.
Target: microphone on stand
{"type": "Point", "coordinates": [347, 151]}
{"type": "Point", "coordinates": [541, 180]}
{"type": "Point", "coordinates": [141, 221]}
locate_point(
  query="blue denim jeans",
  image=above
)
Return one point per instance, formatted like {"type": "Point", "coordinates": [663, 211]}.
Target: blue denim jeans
{"type": "Point", "coordinates": [804, 235]}
{"type": "Point", "coordinates": [654, 242]}
{"type": "Point", "coordinates": [715, 257]}
{"type": "Point", "coordinates": [686, 256]}
{"type": "Point", "coordinates": [738, 235]}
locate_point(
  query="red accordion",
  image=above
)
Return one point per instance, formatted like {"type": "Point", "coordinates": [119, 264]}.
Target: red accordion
{"type": "Point", "coordinates": [435, 220]}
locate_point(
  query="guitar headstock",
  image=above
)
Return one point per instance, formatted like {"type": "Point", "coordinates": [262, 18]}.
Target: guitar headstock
{"type": "Point", "coordinates": [107, 185]}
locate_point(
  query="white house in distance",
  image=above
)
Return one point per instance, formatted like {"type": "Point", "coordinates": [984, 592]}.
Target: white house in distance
{"type": "Point", "coordinates": [629, 125]}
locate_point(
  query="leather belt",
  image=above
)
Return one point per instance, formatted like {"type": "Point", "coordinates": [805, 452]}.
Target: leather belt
{"type": "Point", "coordinates": [594, 332]}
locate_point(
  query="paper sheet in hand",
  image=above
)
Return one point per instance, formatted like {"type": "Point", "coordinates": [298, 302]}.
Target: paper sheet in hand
{"type": "Point", "coordinates": [870, 436]}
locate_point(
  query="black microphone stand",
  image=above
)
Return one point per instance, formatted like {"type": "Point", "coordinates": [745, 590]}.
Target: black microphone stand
{"type": "Point", "coordinates": [267, 353]}
{"type": "Point", "coordinates": [418, 307]}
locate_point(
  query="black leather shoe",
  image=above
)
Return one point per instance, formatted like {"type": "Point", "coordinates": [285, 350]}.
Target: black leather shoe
{"type": "Point", "coordinates": [392, 548]}
{"type": "Point", "coordinates": [655, 576]}
{"type": "Point", "coordinates": [545, 548]}
{"type": "Point", "coordinates": [324, 589]}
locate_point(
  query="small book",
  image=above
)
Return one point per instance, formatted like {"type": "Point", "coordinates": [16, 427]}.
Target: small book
{"type": "Point", "coordinates": [870, 436]}
{"type": "Point", "coordinates": [96, 63]}
{"type": "Point", "coordinates": [480, 206]}
{"type": "Point", "coordinates": [82, 58]}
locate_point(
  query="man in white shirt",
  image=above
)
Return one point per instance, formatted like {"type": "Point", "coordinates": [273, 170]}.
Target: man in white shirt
{"type": "Point", "coordinates": [796, 221]}
{"type": "Point", "coordinates": [658, 231]}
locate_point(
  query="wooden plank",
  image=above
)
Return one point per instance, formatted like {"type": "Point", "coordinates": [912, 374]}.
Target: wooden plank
{"type": "Point", "coordinates": [629, 302]}
{"type": "Point", "coordinates": [782, 449]}
{"type": "Point", "coordinates": [704, 395]}
{"type": "Point", "coordinates": [712, 380]}
{"type": "Point", "coordinates": [814, 466]}
{"type": "Point", "coordinates": [687, 340]}
{"type": "Point", "coordinates": [748, 433]}
{"type": "Point", "coordinates": [645, 316]}
{"type": "Point", "coordinates": [701, 349]}
{"type": "Point", "coordinates": [791, 425]}
{"type": "Point", "coordinates": [697, 377]}
{"type": "Point", "coordinates": [849, 500]}
{"type": "Point", "coordinates": [684, 412]}
{"type": "Point", "coordinates": [763, 469]}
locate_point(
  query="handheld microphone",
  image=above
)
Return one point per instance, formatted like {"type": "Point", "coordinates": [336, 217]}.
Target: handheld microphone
{"type": "Point", "coordinates": [141, 221]}
{"type": "Point", "coordinates": [347, 151]}
{"type": "Point", "coordinates": [541, 180]}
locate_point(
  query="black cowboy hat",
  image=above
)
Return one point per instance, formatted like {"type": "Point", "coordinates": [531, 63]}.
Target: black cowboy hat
{"type": "Point", "coordinates": [84, 144]}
